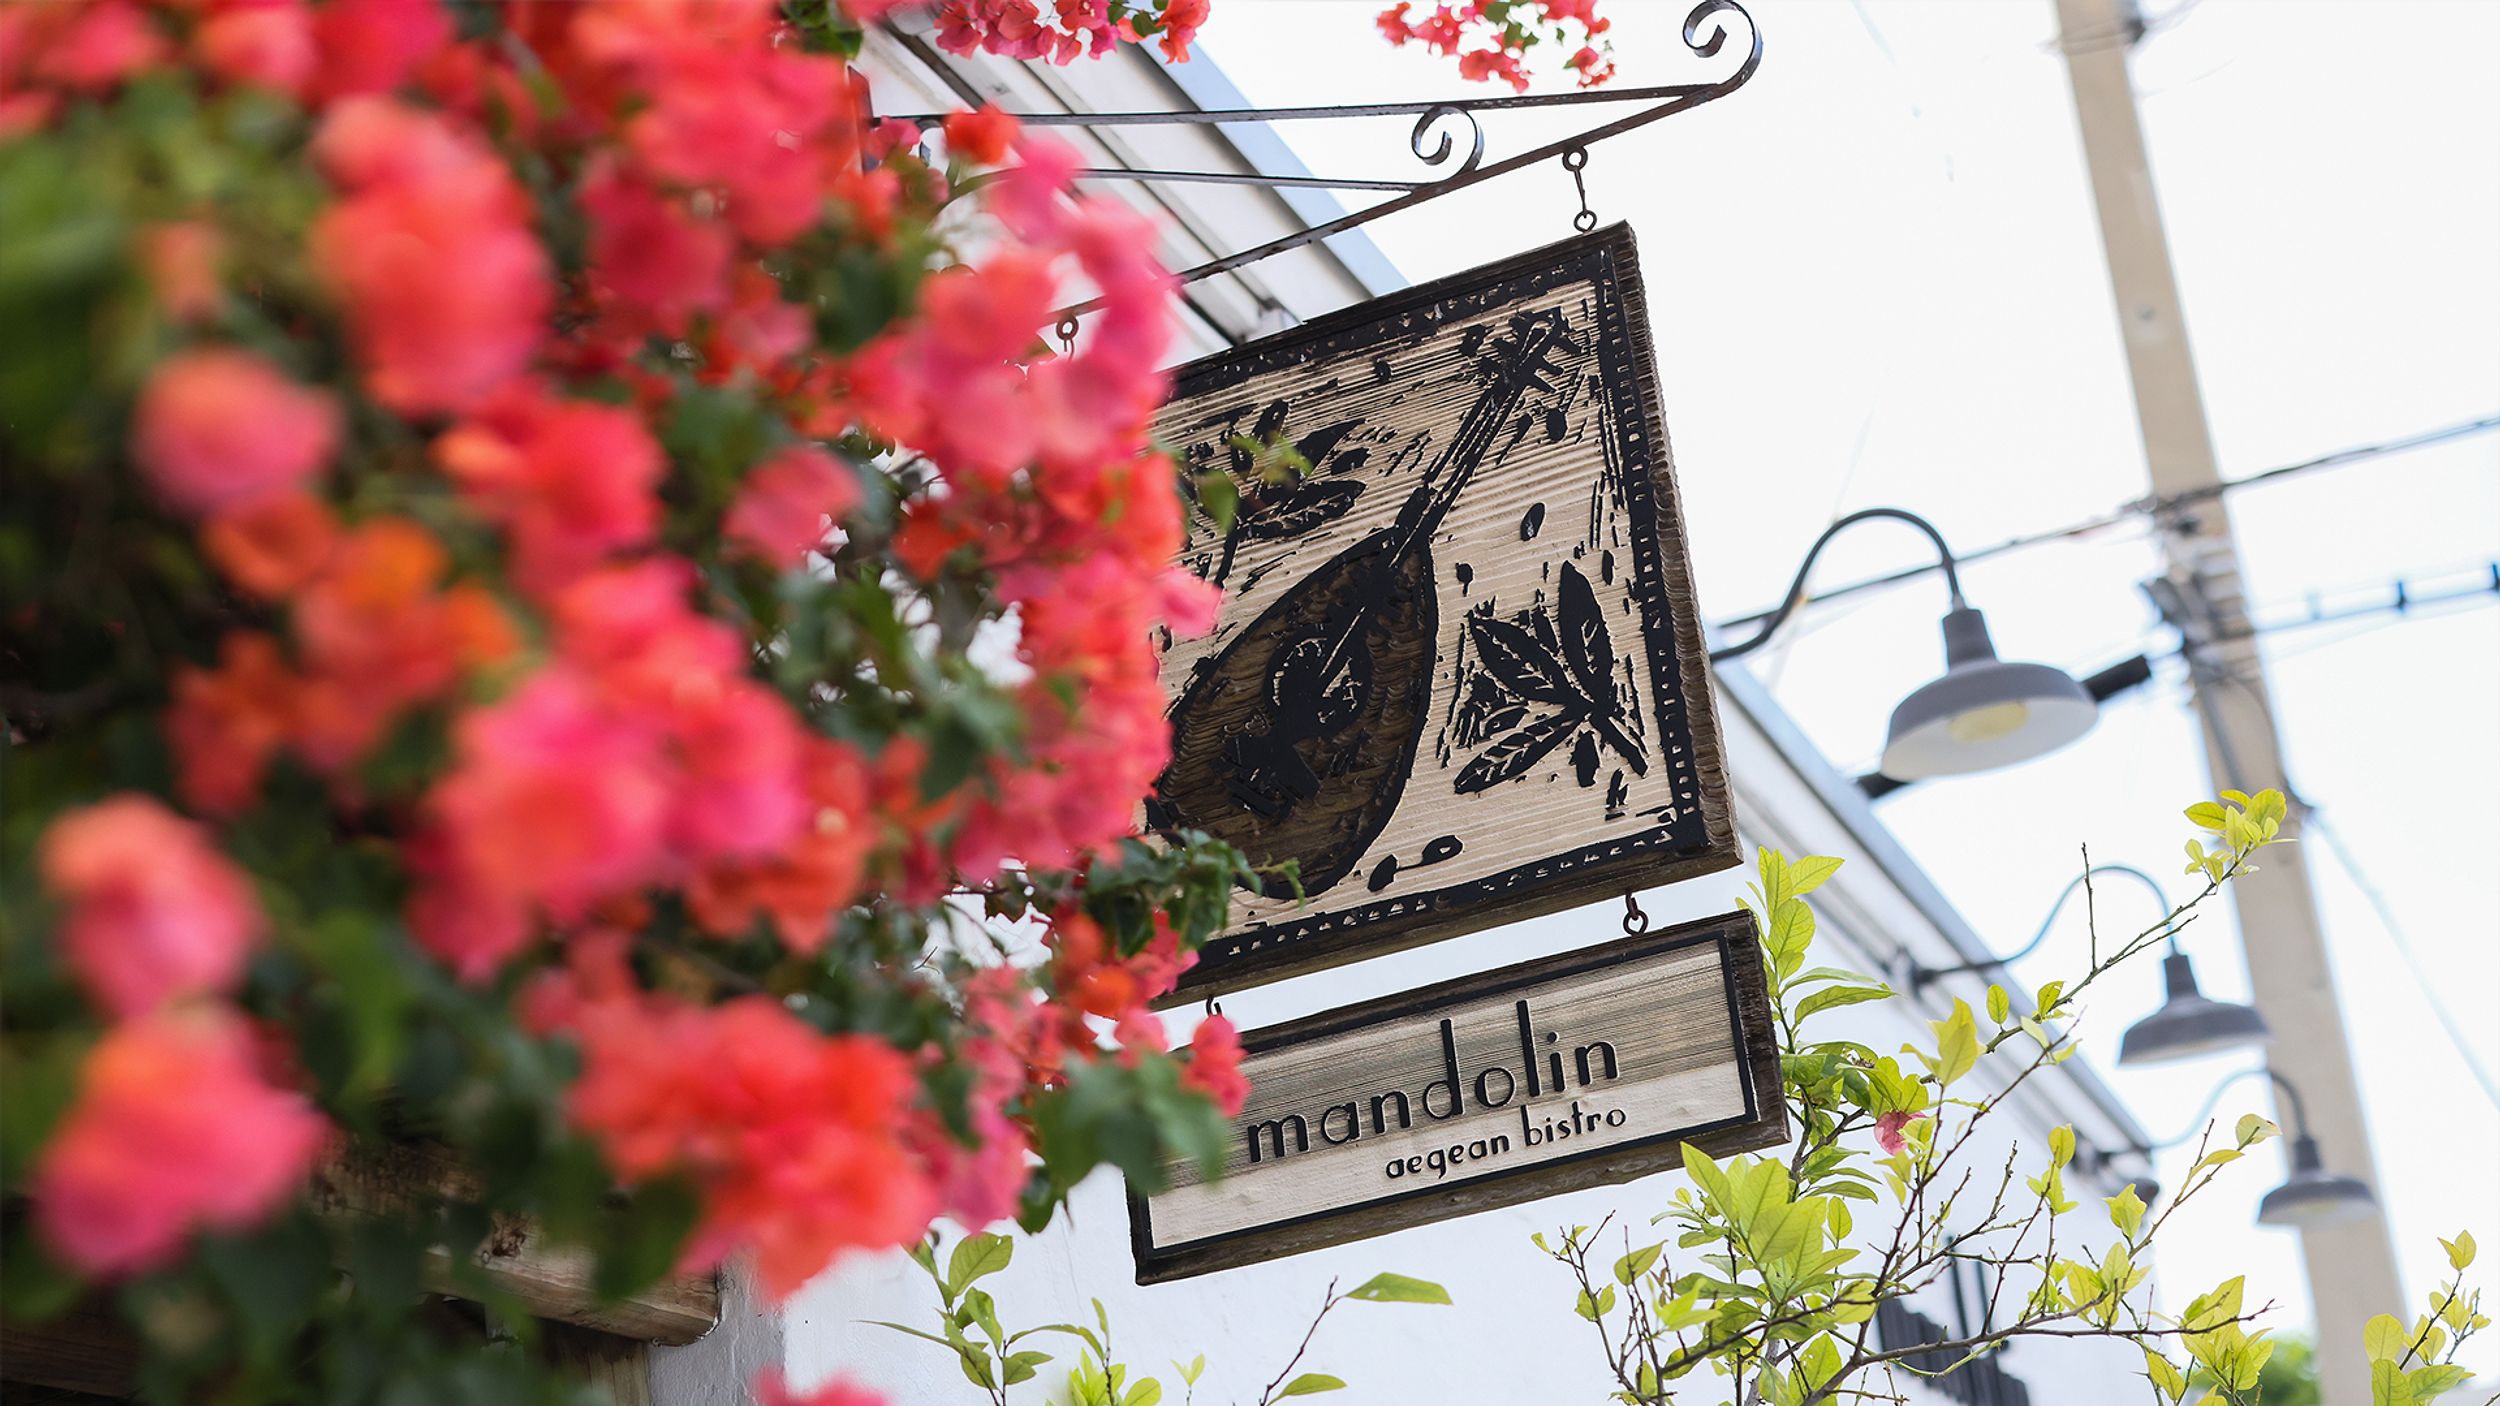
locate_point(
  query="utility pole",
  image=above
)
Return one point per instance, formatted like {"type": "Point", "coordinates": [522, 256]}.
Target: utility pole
{"type": "Point", "coordinates": [2352, 1268]}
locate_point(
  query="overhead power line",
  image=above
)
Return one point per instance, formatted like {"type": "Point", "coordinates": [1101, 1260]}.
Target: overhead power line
{"type": "Point", "coordinates": [2155, 507]}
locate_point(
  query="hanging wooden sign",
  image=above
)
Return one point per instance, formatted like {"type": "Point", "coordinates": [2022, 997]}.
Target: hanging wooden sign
{"type": "Point", "coordinates": [1457, 679]}
{"type": "Point", "coordinates": [1577, 1070]}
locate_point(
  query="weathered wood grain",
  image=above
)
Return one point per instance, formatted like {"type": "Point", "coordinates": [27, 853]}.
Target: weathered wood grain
{"type": "Point", "coordinates": [554, 1281]}
{"type": "Point", "coordinates": [1327, 1151]}
{"type": "Point", "coordinates": [1458, 676]}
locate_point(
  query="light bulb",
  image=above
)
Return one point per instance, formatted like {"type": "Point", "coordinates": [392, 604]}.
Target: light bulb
{"type": "Point", "coordinates": [1989, 723]}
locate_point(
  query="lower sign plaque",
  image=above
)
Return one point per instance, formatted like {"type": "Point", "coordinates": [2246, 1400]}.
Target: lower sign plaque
{"type": "Point", "coordinates": [1582, 1069]}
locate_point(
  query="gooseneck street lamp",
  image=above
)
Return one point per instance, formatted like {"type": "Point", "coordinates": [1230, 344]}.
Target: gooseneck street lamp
{"type": "Point", "coordinates": [2188, 1024]}
{"type": "Point", "coordinates": [1984, 712]}
{"type": "Point", "coordinates": [2311, 1197]}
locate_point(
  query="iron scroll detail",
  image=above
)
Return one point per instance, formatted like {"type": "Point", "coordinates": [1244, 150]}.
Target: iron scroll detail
{"type": "Point", "coordinates": [1706, 32]}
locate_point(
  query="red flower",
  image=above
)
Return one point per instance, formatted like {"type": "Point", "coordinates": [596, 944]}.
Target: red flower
{"type": "Point", "coordinates": [783, 509]}
{"type": "Point", "coordinates": [173, 1130]}
{"type": "Point", "coordinates": [219, 426]}
{"type": "Point", "coordinates": [155, 912]}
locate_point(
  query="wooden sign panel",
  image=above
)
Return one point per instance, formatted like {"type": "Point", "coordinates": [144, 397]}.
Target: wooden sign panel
{"type": "Point", "coordinates": [1578, 1070]}
{"type": "Point", "coordinates": [1457, 678]}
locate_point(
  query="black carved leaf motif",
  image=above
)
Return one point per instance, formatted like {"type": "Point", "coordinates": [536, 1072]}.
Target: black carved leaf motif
{"type": "Point", "coordinates": [1585, 642]}
{"type": "Point", "coordinates": [1514, 754]}
{"type": "Point", "coordinates": [1521, 661]}
{"type": "Point", "coordinates": [1289, 510]}
{"type": "Point", "coordinates": [1562, 657]}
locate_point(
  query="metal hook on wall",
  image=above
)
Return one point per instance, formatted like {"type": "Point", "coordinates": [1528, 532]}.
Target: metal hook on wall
{"type": "Point", "coordinates": [1635, 921]}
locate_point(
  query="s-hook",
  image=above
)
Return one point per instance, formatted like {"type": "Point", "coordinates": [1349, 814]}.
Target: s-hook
{"type": "Point", "coordinates": [1635, 922]}
{"type": "Point", "coordinates": [1575, 161]}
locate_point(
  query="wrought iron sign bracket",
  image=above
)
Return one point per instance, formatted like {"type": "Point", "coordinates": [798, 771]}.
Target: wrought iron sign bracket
{"type": "Point", "coordinates": [1706, 32]}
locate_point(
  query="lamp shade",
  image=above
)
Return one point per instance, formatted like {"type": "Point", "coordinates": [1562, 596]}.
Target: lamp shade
{"type": "Point", "coordinates": [2189, 1022]}
{"type": "Point", "coordinates": [1984, 713]}
{"type": "Point", "coordinates": [2313, 1196]}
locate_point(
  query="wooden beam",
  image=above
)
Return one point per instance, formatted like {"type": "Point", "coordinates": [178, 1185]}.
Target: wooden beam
{"type": "Point", "coordinates": [554, 1281]}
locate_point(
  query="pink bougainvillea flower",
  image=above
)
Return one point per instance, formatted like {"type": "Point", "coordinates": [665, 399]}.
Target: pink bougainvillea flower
{"type": "Point", "coordinates": [227, 722]}
{"type": "Point", "coordinates": [803, 887]}
{"type": "Point", "coordinates": [92, 49]}
{"type": "Point", "coordinates": [793, 1135]}
{"type": "Point", "coordinates": [983, 136]}
{"type": "Point", "coordinates": [1888, 1128]}
{"type": "Point", "coordinates": [571, 481]}
{"type": "Point", "coordinates": [1215, 1064]}
{"type": "Point", "coordinates": [783, 507]}
{"type": "Point", "coordinates": [771, 1389]}
{"type": "Point", "coordinates": [272, 545]}
{"type": "Point", "coordinates": [181, 259]}
{"type": "Point", "coordinates": [154, 911]}
{"type": "Point", "coordinates": [653, 263]}
{"type": "Point", "coordinates": [219, 426]}
{"type": "Point", "coordinates": [371, 46]}
{"type": "Point", "coordinates": [555, 799]}
{"type": "Point", "coordinates": [446, 290]}
{"type": "Point", "coordinates": [174, 1129]}
{"type": "Point", "coordinates": [266, 43]}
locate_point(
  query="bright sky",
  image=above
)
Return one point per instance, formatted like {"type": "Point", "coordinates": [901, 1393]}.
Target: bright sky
{"type": "Point", "coordinates": [1877, 281]}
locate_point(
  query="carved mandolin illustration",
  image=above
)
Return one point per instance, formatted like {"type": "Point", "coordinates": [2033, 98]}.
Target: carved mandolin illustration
{"type": "Point", "coordinates": [1295, 741]}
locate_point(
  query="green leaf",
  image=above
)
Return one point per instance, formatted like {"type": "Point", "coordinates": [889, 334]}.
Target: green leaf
{"type": "Point", "coordinates": [1807, 874]}
{"type": "Point", "coordinates": [1147, 1392]}
{"type": "Point", "coordinates": [914, 1332]}
{"type": "Point", "coordinates": [2165, 1377]}
{"type": "Point", "coordinates": [1834, 996]}
{"type": "Point", "coordinates": [1196, 1368]}
{"type": "Point", "coordinates": [2460, 1250]}
{"type": "Point", "coordinates": [2205, 815]}
{"type": "Point", "coordinates": [1020, 1365]}
{"type": "Point", "coordinates": [1637, 1263]}
{"type": "Point", "coordinates": [2427, 1383]}
{"type": "Point", "coordinates": [974, 1257]}
{"type": "Point", "coordinates": [2383, 1338]}
{"type": "Point", "coordinates": [1999, 1004]}
{"type": "Point", "coordinates": [2126, 1211]}
{"type": "Point", "coordinates": [1398, 1288]}
{"type": "Point", "coordinates": [2253, 1129]}
{"type": "Point", "coordinates": [1308, 1384]}
{"type": "Point", "coordinates": [1957, 1044]}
